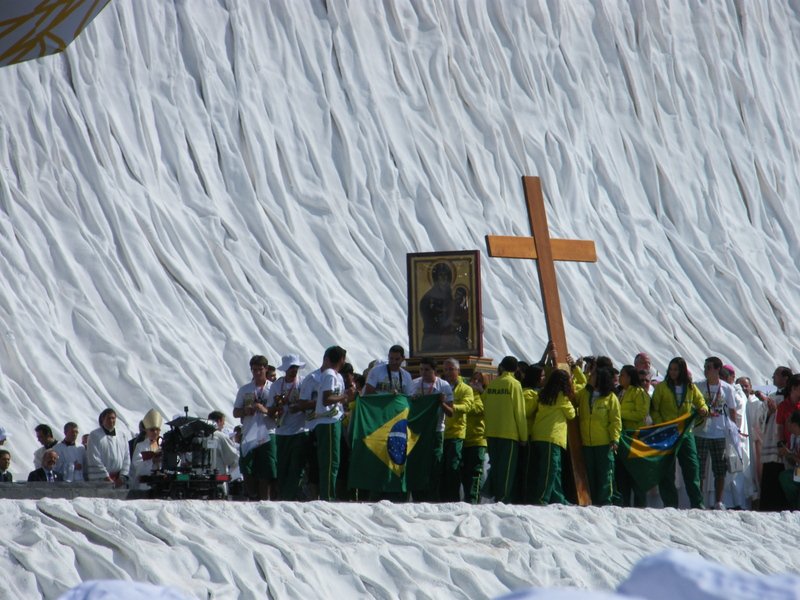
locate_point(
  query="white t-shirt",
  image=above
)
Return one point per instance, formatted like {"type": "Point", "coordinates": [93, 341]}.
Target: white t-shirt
{"type": "Point", "coordinates": [291, 423]}
{"type": "Point", "coordinates": [69, 455]}
{"type": "Point", "coordinates": [439, 386]}
{"type": "Point", "coordinates": [385, 381]}
{"type": "Point", "coordinates": [721, 400]}
{"type": "Point", "coordinates": [255, 428]}
{"type": "Point", "coordinates": [330, 381]}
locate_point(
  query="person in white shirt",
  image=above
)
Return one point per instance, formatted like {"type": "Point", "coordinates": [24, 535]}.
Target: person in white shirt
{"type": "Point", "coordinates": [390, 377]}
{"type": "Point", "coordinates": [147, 453]}
{"type": "Point", "coordinates": [291, 433]}
{"type": "Point", "coordinates": [71, 455]}
{"type": "Point", "coordinates": [326, 421]}
{"type": "Point", "coordinates": [258, 463]}
{"type": "Point", "coordinates": [712, 434]}
{"type": "Point", "coordinates": [429, 383]}
{"type": "Point", "coordinates": [107, 456]}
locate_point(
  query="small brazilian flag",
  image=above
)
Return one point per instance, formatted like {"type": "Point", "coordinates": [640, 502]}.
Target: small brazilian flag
{"type": "Point", "coordinates": [645, 451]}
{"type": "Point", "coordinates": [381, 443]}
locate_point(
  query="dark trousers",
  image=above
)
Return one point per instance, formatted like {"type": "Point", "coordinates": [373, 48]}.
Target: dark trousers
{"type": "Point", "coordinates": [772, 497]}
{"type": "Point", "coordinates": [451, 470]}
{"type": "Point", "coordinates": [503, 468]}
{"type": "Point", "coordinates": [547, 470]}
{"type": "Point", "coordinates": [292, 459]}
{"type": "Point", "coordinates": [472, 472]}
{"type": "Point", "coordinates": [600, 473]}
{"type": "Point", "coordinates": [626, 486]}
{"type": "Point", "coordinates": [329, 438]}
{"type": "Point", "coordinates": [690, 466]}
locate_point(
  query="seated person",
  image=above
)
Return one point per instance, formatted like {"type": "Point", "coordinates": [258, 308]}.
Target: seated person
{"type": "Point", "coordinates": [5, 463]}
{"type": "Point", "coordinates": [47, 471]}
{"type": "Point", "coordinates": [108, 457]}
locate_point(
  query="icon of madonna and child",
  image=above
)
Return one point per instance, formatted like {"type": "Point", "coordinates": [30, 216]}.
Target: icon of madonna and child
{"type": "Point", "coordinates": [445, 313]}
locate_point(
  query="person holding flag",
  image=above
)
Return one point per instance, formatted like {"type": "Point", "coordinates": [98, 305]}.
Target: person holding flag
{"type": "Point", "coordinates": [672, 398]}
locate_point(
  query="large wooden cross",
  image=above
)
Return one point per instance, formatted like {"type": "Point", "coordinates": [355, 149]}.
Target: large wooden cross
{"type": "Point", "coordinates": [546, 251]}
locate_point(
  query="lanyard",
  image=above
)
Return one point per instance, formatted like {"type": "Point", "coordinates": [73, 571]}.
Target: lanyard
{"type": "Point", "coordinates": [391, 380]}
{"type": "Point", "coordinates": [715, 400]}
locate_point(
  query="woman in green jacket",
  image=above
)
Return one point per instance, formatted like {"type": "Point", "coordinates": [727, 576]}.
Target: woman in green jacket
{"type": "Point", "coordinates": [634, 406]}
{"type": "Point", "coordinates": [551, 409]}
{"type": "Point", "coordinates": [601, 425]}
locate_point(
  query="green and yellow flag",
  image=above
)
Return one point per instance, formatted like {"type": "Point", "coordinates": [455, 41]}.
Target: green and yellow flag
{"type": "Point", "coordinates": [422, 419]}
{"type": "Point", "coordinates": [381, 443]}
{"type": "Point", "coordinates": [643, 451]}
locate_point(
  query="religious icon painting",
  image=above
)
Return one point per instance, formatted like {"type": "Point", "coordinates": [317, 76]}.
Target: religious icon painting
{"type": "Point", "coordinates": [444, 304]}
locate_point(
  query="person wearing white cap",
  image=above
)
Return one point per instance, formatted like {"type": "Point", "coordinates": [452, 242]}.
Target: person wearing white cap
{"type": "Point", "coordinates": [147, 453]}
{"type": "Point", "coordinates": [3, 435]}
{"type": "Point", "coordinates": [391, 377]}
{"type": "Point", "coordinates": [291, 433]}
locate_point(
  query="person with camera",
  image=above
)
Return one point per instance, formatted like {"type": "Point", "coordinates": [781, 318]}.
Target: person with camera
{"type": "Point", "coordinates": [258, 461]}
{"type": "Point", "coordinates": [389, 378]}
{"type": "Point", "coordinates": [291, 433]}
{"type": "Point", "coordinates": [711, 435]}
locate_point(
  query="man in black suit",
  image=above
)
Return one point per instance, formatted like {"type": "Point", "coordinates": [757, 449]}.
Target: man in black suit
{"type": "Point", "coordinates": [5, 462]}
{"type": "Point", "coordinates": [46, 472]}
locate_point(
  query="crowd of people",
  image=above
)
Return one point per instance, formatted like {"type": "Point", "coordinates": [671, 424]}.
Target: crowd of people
{"type": "Point", "coordinates": [501, 436]}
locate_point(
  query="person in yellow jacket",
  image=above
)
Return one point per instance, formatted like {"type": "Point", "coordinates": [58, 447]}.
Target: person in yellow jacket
{"type": "Point", "coordinates": [634, 406]}
{"type": "Point", "coordinates": [600, 424]}
{"type": "Point", "coordinates": [532, 382]}
{"type": "Point", "coordinates": [474, 451]}
{"type": "Point", "coordinates": [455, 430]}
{"type": "Point", "coordinates": [552, 408]}
{"type": "Point", "coordinates": [506, 429]}
{"type": "Point", "coordinates": [672, 398]}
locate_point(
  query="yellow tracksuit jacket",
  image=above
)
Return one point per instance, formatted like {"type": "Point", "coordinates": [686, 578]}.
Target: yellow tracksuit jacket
{"type": "Point", "coordinates": [664, 405]}
{"type": "Point", "coordinates": [455, 427]}
{"type": "Point", "coordinates": [600, 422]}
{"type": "Point", "coordinates": [634, 406]}
{"type": "Point", "coordinates": [550, 421]}
{"type": "Point", "coordinates": [504, 409]}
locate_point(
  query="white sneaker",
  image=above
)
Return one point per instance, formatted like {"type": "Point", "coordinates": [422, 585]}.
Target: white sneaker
{"type": "Point", "coordinates": [719, 506]}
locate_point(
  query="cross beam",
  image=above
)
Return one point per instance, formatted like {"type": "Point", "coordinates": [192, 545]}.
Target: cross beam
{"type": "Point", "coordinates": [546, 251]}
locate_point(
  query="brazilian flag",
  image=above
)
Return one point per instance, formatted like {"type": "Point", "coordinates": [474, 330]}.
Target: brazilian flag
{"type": "Point", "coordinates": [381, 442]}
{"type": "Point", "coordinates": [423, 417]}
{"type": "Point", "coordinates": [645, 451]}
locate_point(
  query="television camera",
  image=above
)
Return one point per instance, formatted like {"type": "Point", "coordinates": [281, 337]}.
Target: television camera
{"type": "Point", "coordinates": [188, 464]}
